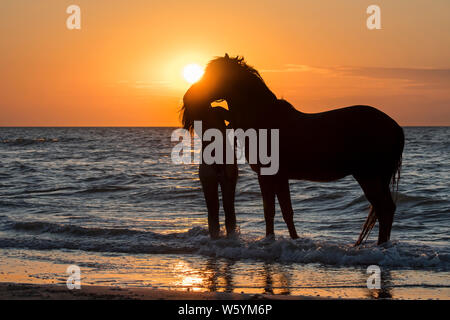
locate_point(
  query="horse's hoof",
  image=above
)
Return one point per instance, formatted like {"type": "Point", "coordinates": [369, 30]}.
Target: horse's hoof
{"type": "Point", "coordinates": [294, 236]}
{"type": "Point", "coordinates": [232, 235]}
{"type": "Point", "coordinates": [385, 244]}
{"type": "Point", "coordinates": [214, 237]}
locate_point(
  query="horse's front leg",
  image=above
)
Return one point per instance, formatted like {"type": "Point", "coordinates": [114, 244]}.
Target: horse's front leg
{"type": "Point", "coordinates": [266, 184]}
{"type": "Point", "coordinates": [284, 199]}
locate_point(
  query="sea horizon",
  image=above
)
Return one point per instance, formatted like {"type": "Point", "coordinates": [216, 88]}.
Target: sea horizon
{"type": "Point", "coordinates": [408, 126]}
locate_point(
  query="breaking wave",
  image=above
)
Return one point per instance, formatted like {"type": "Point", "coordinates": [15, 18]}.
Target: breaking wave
{"type": "Point", "coordinates": [197, 241]}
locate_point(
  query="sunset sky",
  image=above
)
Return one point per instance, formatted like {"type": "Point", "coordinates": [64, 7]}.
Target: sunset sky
{"type": "Point", "coordinates": [124, 67]}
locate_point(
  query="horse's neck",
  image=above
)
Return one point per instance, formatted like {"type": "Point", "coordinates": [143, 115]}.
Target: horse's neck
{"type": "Point", "coordinates": [286, 105]}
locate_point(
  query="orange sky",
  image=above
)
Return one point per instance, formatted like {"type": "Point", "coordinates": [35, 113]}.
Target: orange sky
{"type": "Point", "coordinates": [123, 68]}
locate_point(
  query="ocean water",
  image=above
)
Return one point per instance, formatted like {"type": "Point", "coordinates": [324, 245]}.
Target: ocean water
{"type": "Point", "coordinates": [111, 201]}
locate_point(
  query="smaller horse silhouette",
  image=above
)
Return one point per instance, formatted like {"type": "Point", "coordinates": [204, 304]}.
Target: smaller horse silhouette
{"type": "Point", "coordinates": [359, 140]}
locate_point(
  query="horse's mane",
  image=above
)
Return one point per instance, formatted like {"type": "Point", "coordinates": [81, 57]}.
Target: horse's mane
{"type": "Point", "coordinates": [237, 64]}
{"type": "Point", "coordinates": [237, 61]}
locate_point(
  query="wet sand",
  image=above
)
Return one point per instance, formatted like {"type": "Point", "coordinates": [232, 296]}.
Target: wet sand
{"type": "Point", "coordinates": [21, 291]}
{"type": "Point", "coordinates": [174, 277]}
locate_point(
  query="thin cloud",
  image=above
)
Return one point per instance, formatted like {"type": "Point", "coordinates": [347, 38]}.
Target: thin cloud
{"type": "Point", "coordinates": [412, 77]}
{"type": "Point", "coordinates": [139, 84]}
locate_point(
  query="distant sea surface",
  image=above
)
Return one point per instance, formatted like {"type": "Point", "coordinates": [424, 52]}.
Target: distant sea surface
{"type": "Point", "coordinates": [111, 201]}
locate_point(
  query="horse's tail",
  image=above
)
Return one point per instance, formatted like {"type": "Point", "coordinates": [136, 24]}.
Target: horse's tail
{"type": "Point", "coordinates": [367, 227]}
{"type": "Point", "coordinates": [396, 174]}
{"type": "Point", "coordinates": [394, 182]}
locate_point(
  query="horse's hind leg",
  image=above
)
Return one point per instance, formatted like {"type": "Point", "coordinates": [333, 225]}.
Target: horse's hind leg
{"type": "Point", "coordinates": [386, 216]}
{"type": "Point", "coordinates": [378, 193]}
{"type": "Point", "coordinates": [266, 184]}
{"type": "Point", "coordinates": [284, 199]}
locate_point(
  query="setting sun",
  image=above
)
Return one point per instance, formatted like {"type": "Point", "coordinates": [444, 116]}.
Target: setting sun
{"type": "Point", "coordinates": [192, 72]}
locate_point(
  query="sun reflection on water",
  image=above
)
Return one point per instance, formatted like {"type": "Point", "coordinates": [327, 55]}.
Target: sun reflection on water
{"type": "Point", "coordinates": [188, 278]}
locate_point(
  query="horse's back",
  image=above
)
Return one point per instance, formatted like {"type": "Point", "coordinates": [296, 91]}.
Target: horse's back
{"type": "Point", "coordinates": [330, 145]}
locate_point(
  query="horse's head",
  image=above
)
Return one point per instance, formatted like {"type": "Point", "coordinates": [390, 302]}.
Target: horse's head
{"type": "Point", "coordinates": [209, 88]}
{"type": "Point", "coordinates": [229, 79]}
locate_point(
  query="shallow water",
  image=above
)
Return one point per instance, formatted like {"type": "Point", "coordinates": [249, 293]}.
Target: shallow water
{"type": "Point", "coordinates": [111, 201]}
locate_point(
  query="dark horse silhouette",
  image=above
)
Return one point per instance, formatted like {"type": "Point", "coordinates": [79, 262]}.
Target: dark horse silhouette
{"type": "Point", "coordinates": [359, 140]}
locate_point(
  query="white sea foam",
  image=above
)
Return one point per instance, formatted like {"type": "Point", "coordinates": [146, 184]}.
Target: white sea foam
{"type": "Point", "coordinates": [303, 250]}
{"type": "Point", "coordinates": [196, 240]}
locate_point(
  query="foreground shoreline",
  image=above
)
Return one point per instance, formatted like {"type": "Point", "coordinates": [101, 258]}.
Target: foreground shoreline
{"type": "Point", "coordinates": [26, 291]}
